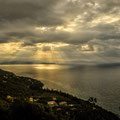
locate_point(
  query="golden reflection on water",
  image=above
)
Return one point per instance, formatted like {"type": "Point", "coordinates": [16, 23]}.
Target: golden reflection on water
{"type": "Point", "coordinates": [50, 67]}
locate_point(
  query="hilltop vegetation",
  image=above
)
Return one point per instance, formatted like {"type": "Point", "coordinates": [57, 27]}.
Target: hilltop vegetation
{"type": "Point", "coordinates": [23, 98]}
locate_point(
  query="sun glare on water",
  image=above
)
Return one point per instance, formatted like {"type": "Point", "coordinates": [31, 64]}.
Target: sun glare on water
{"type": "Point", "coordinates": [50, 67]}
{"type": "Point", "coordinates": [47, 67]}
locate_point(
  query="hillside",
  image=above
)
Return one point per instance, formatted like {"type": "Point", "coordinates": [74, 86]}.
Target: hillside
{"type": "Point", "coordinates": [23, 98]}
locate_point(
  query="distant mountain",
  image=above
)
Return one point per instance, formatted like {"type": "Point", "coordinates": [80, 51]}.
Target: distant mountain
{"type": "Point", "coordinates": [18, 62]}
{"type": "Point", "coordinates": [109, 65]}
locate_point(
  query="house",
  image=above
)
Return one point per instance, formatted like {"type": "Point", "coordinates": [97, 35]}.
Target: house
{"type": "Point", "coordinates": [6, 77]}
{"type": "Point", "coordinates": [4, 81]}
{"type": "Point", "coordinates": [94, 108]}
{"type": "Point", "coordinates": [59, 109]}
{"type": "Point", "coordinates": [63, 103]}
{"type": "Point", "coordinates": [54, 98]}
{"type": "Point", "coordinates": [71, 105]}
{"type": "Point", "coordinates": [30, 99]}
{"type": "Point", "coordinates": [73, 109]}
{"type": "Point", "coordinates": [35, 99]}
{"type": "Point", "coordinates": [10, 98]}
{"type": "Point", "coordinates": [52, 103]}
{"type": "Point", "coordinates": [29, 80]}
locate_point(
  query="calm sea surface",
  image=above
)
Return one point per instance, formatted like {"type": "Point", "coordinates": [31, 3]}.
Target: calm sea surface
{"type": "Point", "coordinates": [81, 81]}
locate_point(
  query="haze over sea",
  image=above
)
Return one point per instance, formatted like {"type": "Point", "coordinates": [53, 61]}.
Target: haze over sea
{"type": "Point", "coordinates": [83, 81]}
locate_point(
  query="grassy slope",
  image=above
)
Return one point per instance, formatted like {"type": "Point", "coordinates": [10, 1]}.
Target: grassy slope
{"type": "Point", "coordinates": [21, 88]}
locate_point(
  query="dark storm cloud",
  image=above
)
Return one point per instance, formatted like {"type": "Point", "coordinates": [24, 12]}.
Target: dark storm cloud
{"type": "Point", "coordinates": [30, 13]}
{"type": "Point", "coordinates": [109, 36]}
{"type": "Point", "coordinates": [96, 24]}
{"type": "Point", "coordinates": [40, 12]}
{"type": "Point", "coordinates": [65, 37]}
{"type": "Point", "coordinates": [111, 6]}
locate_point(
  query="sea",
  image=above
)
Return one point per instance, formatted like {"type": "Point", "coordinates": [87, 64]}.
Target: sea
{"type": "Point", "coordinates": [83, 81]}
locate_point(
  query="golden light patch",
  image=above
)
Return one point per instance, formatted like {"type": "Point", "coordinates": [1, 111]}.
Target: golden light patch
{"type": "Point", "coordinates": [66, 29]}
{"type": "Point", "coordinates": [85, 47]}
{"type": "Point", "coordinates": [10, 47]}
{"type": "Point", "coordinates": [52, 44]}
{"type": "Point", "coordinates": [40, 28]}
{"type": "Point", "coordinates": [48, 67]}
{"type": "Point", "coordinates": [105, 19]}
{"type": "Point", "coordinates": [50, 52]}
{"type": "Point", "coordinates": [43, 29]}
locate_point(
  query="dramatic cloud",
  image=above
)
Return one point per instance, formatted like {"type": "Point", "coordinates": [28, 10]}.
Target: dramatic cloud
{"type": "Point", "coordinates": [62, 31]}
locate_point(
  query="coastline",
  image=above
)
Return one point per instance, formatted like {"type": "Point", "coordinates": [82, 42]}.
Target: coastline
{"type": "Point", "coordinates": [23, 89]}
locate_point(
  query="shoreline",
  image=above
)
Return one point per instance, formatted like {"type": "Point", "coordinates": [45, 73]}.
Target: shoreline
{"type": "Point", "coordinates": [34, 88]}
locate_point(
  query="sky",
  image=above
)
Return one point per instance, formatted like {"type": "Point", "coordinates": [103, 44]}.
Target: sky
{"type": "Point", "coordinates": [59, 31]}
